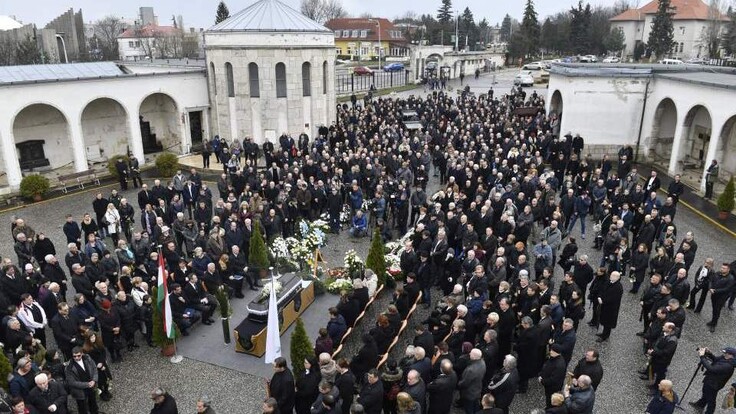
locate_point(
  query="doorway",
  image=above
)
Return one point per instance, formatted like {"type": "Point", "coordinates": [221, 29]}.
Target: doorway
{"type": "Point", "coordinates": [195, 129]}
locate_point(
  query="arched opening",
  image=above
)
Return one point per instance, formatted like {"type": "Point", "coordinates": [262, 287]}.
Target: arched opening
{"type": "Point", "coordinates": [41, 136]}
{"type": "Point", "coordinates": [325, 77]}
{"type": "Point", "coordinates": [555, 104]}
{"type": "Point", "coordinates": [253, 82]}
{"type": "Point", "coordinates": [213, 79]}
{"type": "Point", "coordinates": [280, 80]}
{"type": "Point", "coordinates": [230, 80]}
{"type": "Point", "coordinates": [663, 133]}
{"type": "Point", "coordinates": [694, 142]}
{"type": "Point", "coordinates": [159, 122]}
{"type": "Point", "coordinates": [104, 129]}
{"type": "Point", "coordinates": [726, 148]}
{"type": "Point", "coordinates": [306, 79]}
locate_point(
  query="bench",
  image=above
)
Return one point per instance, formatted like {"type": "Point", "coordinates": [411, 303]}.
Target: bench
{"type": "Point", "coordinates": [81, 178]}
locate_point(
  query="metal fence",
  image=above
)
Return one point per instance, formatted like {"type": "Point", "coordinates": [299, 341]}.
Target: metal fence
{"type": "Point", "coordinates": [349, 83]}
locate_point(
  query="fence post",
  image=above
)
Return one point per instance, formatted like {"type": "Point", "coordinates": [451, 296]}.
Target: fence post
{"type": "Point", "coordinates": [352, 82]}
{"type": "Point", "coordinates": [392, 79]}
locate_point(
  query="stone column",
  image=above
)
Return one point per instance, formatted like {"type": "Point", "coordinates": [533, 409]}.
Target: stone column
{"type": "Point", "coordinates": [9, 154]}
{"type": "Point", "coordinates": [206, 124]}
{"type": "Point", "coordinates": [184, 133]}
{"type": "Point", "coordinates": [136, 139]}
{"type": "Point", "coordinates": [715, 141]}
{"type": "Point", "coordinates": [77, 140]}
{"type": "Point", "coordinates": [677, 143]}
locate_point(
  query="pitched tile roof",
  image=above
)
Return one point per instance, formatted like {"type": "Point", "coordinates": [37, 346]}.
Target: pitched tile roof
{"type": "Point", "coordinates": [148, 31]}
{"type": "Point", "coordinates": [684, 10]}
{"type": "Point", "coordinates": [370, 25]}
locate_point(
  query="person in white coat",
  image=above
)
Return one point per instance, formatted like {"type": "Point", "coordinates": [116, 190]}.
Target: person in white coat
{"type": "Point", "coordinates": [112, 219]}
{"type": "Point", "coordinates": [33, 316]}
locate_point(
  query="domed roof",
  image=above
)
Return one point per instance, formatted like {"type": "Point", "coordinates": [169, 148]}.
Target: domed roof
{"type": "Point", "coordinates": [268, 16]}
{"type": "Point", "coordinates": [8, 23]}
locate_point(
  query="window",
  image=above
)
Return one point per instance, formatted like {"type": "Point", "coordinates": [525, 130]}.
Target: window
{"type": "Point", "coordinates": [346, 33]}
{"type": "Point", "coordinates": [682, 30]}
{"type": "Point", "coordinates": [230, 81]}
{"type": "Point", "coordinates": [355, 33]}
{"type": "Point", "coordinates": [682, 46]}
{"type": "Point", "coordinates": [337, 34]}
{"type": "Point", "coordinates": [306, 79]}
{"type": "Point", "coordinates": [131, 44]}
{"type": "Point", "coordinates": [255, 87]}
{"type": "Point", "coordinates": [338, 51]}
{"type": "Point", "coordinates": [280, 80]}
{"type": "Point", "coordinates": [324, 77]}
{"type": "Point", "coordinates": [364, 33]}
{"type": "Point", "coordinates": [364, 51]}
{"type": "Point", "coordinates": [214, 79]}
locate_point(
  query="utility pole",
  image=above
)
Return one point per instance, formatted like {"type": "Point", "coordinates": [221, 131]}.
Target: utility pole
{"type": "Point", "coordinates": [457, 19]}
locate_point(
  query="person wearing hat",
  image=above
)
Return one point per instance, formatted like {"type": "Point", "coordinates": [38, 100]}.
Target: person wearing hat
{"type": "Point", "coordinates": [423, 271]}
{"type": "Point", "coordinates": [110, 326]}
{"type": "Point", "coordinates": [718, 370]}
{"type": "Point", "coordinates": [553, 373]}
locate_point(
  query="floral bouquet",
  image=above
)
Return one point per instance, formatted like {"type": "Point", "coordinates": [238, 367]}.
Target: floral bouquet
{"type": "Point", "coordinates": [266, 291]}
{"type": "Point", "coordinates": [345, 214]}
{"type": "Point", "coordinates": [338, 285]}
{"type": "Point", "coordinates": [352, 262]}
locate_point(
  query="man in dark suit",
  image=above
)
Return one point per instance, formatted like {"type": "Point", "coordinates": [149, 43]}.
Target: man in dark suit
{"type": "Point", "coordinates": [81, 378]}
{"type": "Point", "coordinates": [281, 386]}
{"type": "Point", "coordinates": [144, 197]}
{"type": "Point", "coordinates": [371, 394]}
{"type": "Point", "coordinates": [190, 193]}
{"type": "Point", "coordinates": [52, 300]}
{"type": "Point", "coordinates": [200, 300]}
{"type": "Point", "coordinates": [65, 327]}
{"type": "Point", "coordinates": [440, 390]}
{"type": "Point", "coordinates": [653, 183]}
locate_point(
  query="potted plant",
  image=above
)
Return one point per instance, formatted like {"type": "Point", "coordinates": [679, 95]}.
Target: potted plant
{"type": "Point", "coordinates": [258, 252]}
{"type": "Point", "coordinates": [5, 369]}
{"type": "Point", "coordinates": [726, 200]}
{"type": "Point", "coordinates": [301, 348]}
{"type": "Point", "coordinates": [225, 312]}
{"type": "Point", "coordinates": [158, 335]}
{"type": "Point", "coordinates": [167, 164]}
{"type": "Point", "coordinates": [34, 186]}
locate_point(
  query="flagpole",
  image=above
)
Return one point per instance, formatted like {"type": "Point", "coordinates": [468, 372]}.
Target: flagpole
{"type": "Point", "coordinates": [176, 358]}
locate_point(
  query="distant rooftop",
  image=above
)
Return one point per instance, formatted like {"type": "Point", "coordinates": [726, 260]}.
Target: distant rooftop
{"type": "Point", "coordinates": [12, 75]}
{"type": "Point", "coordinates": [716, 76]}
{"type": "Point", "coordinates": [8, 23]}
{"type": "Point", "coordinates": [268, 16]}
{"type": "Point", "coordinates": [149, 30]}
{"type": "Point", "coordinates": [684, 10]}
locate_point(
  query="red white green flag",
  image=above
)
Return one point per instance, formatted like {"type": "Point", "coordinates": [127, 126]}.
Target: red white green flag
{"type": "Point", "coordinates": [162, 299]}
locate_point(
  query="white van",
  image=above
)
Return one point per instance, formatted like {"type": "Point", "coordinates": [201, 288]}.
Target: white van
{"type": "Point", "coordinates": [670, 62]}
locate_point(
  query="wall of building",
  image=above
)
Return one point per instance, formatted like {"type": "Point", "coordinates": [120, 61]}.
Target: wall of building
{"type": "Point", "coordinates": [242, 115]}
{"type": "Point", "coordinates": [604, 111]}
{"type": "Point", "coordinates": [70, 26]}
{"type": "Point", "coordinates": [160, 110]}
{"type": "Point", "coordinates": [105, 129]}
{"type": "Point", "coordinates": [187, 89]}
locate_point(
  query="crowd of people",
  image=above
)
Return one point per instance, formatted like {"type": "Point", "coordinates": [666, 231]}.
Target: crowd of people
{"type": "Point", "coordinates": [483, 251]}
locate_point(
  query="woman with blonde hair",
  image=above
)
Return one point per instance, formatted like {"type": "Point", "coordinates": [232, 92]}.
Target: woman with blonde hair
{"type": "Point", "coordinates": [406, 404]}
{"type": "Point", "coordinates": [112, 221]}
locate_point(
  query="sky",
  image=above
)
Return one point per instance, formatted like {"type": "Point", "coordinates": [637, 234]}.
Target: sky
{"type": "Point", "coordinates": [201, 13]}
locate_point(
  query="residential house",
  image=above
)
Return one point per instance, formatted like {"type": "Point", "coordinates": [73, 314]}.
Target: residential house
{"type": "Point", "coordinates": [150, 42]}
{"type": "Point", "coordinates": [359, 38]}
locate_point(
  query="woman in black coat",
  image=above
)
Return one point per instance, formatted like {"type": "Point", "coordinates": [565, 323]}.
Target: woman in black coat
{"type": "Point", "coordinates": [383, 334]}
{"type": "Point", "coordinates": [575, 308]}
{"type": "Point", "coordinates": [567, 257]}
{"type": "Point", "coordinates": [366, 359]}
{"type": "Point", "coordinates": [610, 301]}
{"type": "Point", "coordinates": [638, 268]}
{"type": "Point", "coordinates": [307, 387]}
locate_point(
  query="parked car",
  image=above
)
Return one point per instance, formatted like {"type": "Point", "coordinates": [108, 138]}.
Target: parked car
{"type": "Point", "coordinates": [588, 59]}
{"type": "Point", "coordinates": [524, 78]}
{"type": "Point", "coordinates": [362, 70]}
{"type": "Point", "coordinates": [612, 59]}
{"type": "Point", "coordinates": [696, 61]}
{"type": "Point", "coordinates": [537, 70]}
{"type": "Point", "coordinates": [670, 62]}
{"type": "Point", "coordinates": [393, 67]}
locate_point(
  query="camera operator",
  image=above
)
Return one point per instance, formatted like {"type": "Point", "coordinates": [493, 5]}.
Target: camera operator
{"type": "Point", "coordinates": [718, 371]}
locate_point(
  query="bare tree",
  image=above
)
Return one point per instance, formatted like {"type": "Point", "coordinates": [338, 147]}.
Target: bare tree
{"type": "Point", "coordinates": [7, 52]}
{"type": "Point", "coordinates": [710, 36]}
{"type": "Point", "coordinates": [106, 31]}
{"type": "Point", "coordinates": [323, 10]}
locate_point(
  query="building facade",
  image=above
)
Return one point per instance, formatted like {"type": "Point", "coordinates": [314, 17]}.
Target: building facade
{"type": "Point", "coordinates": [358, 38]}
{"type": "Point", "coordinates": [678, 117]}
{"type": "Point", "coordinates": [150, 42]}
{"type": "Point", "coordinates": [691, 21]}
{"type": "Point", "coordinates": [270, 71]}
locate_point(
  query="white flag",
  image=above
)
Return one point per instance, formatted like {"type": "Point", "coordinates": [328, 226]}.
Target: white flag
{"type": "Point", "coordinates": [273, 335]}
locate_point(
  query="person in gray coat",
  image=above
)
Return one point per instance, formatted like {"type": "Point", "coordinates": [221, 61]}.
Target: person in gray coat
{"type": "Point", "coordinates": [81, 378]}
{"type": "Point", "coordinates": [580, 398]}
{"type": "Point", "coordinates": [471, 383]}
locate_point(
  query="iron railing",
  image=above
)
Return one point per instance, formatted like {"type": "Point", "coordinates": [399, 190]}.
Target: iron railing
{"type": "Point", "coordinates": [349, 83]}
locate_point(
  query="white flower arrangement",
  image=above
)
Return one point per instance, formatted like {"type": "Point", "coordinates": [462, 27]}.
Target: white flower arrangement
{"type": "Point", "coordinates": [266, 291]}
{"type": "Point", "coordinates": [352, 261]}
{"type": "Point", "coordinates": [339, 285]}
{"type": "Point", "coordinates": [280, 248]}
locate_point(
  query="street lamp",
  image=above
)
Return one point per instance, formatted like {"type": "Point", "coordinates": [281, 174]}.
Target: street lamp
{"type": "Point", "coordinates": [378, 22]}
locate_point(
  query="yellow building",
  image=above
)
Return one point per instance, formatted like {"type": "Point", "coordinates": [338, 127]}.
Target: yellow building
{"type": "Point", "coordinates": [359, 38]}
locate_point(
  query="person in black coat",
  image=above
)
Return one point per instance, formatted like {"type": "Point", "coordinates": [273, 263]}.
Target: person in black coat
{"type": "Point", "coordinates": [371, 394]}
{"type": "Point", "coordinates": [366, 358]}
{"type": "Point", "coordinates": [345, 383]}
{"type": "Point", "coordinates": [440, 390]}
{"type": "Point", "coordinates": [610, 301]}
{"type": "Point", "coordinates": [360, 294]}
{"type": "Point", "coordinates": [526, 349]}
{"type": "Point", "coordinates": [349, 308]}
{"type": "Point", "coordinates": [307, 387]}
{"type": "Point", "coordinates": [591, 366]}
{"type": "Point", "coordinates": [554, 370]}
{"type": "Point", "coordinates": [281, 386]}
{"type": "Point", "coordinates": [505, 383]}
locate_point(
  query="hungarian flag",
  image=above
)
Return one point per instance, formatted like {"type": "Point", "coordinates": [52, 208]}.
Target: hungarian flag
{"type": "Point", "coordinates": [162, 299]}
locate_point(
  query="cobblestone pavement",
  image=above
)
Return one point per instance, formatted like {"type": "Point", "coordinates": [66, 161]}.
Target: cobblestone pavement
{"type": "Point", "coordinates": [233, 392]}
